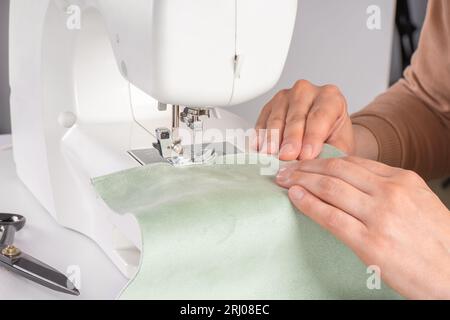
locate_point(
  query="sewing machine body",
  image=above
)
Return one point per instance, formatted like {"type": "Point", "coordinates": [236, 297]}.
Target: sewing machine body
{"type": "Point", "coordinates": [82, 99]}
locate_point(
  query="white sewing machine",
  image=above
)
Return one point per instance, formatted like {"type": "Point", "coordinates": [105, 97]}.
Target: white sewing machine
{"type": "Point", "coordinates": [107, 92]}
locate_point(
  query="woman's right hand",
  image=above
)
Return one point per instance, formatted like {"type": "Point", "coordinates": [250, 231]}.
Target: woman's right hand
{"type": "Point", "coordinates": [307, 116]}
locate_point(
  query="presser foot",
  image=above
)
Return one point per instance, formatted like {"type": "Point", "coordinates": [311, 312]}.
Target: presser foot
{"type": "Point", "coordinates": [171, 149]}
{"type": "Point", "coordinates": [210, 152]}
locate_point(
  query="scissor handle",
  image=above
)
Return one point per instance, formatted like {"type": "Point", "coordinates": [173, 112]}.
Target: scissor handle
{"type": "Point", "coordinates": [14, 220]}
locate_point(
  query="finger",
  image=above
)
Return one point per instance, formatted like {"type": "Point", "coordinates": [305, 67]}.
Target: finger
{"type": "Point", "coordinates": [331, 190]}
{"type": "Point", "coordinates": [276, 123]}
{"type": "Point", "coordinates": [261, 136]}
{"type": "Point", "coordinates": [272, 117]}
{"type": "Point", "coordinates": [272, 141]}
{"type": "Point", "coordinates": [263, 116]}
{"type": "Point", "coordinates": [349, 172]}
{"type": "Point", "coordinates": [323, 118]}
{"type": "Point", "coordinates": [376, 167]}
{"type": "Point", "coordinates": [342, 225]}
{"type": "Point", "coordinates": [300, 102]}
{"type": "Point", "coordinates": [261, 125]}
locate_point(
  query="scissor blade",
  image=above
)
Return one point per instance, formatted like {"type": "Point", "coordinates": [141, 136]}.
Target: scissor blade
{"type": "Point", "coordinates": [43, 274]}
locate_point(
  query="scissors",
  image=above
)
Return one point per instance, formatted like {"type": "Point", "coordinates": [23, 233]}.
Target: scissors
{"type": "Point", "coordinates": [13, 259]}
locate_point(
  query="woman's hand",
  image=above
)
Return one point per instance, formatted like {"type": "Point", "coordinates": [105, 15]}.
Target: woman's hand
{"type": "Point", "coordinates": [389, 217]}
{"type": "Point", "coordinates": [306, 117]}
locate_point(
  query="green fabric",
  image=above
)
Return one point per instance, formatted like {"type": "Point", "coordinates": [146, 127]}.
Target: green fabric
{"type": "Point", "coordinates": [227, 232]}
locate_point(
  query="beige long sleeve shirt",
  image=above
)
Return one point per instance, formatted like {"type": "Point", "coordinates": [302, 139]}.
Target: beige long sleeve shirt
{"type": "Point", "coordinates": [411, 121]}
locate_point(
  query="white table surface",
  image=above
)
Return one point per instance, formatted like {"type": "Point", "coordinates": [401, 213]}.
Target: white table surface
{"type": "Point", "coordinates": [5, 141]}
{"type": "Point", "coordinates": [44, 239]}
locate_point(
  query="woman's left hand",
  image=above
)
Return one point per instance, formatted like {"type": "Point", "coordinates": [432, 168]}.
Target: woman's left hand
{"type": "Point", "coordinates": [389, 217]}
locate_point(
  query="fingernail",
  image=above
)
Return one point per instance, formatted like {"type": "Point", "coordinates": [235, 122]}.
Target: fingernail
{"type": "Point", "coordinates": [307, 152]}
{"type": "Point", "coordinates": [282, 170]}
{"type": "Point", "coordinates": [283, 176]}
{"type": "Point", "coordinates": [284, 181]}
{"type": "Point", "coordinates": [273, 148]}
{"type": "Point", "coordinates": [287, 148]}
{"type": "Point", "coordinates": [297, 193]}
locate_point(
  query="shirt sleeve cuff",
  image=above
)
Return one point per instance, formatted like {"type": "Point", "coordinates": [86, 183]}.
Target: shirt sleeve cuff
{"type": "Point", "coordinates": [388, 140]}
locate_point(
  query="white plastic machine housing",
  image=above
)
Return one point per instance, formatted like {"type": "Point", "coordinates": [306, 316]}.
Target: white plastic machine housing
{"type": "Point", "coordinates": [86, 77]}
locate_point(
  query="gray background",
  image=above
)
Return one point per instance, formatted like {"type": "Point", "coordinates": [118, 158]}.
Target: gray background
{"type": "Point", "coordinates": [331, 45]}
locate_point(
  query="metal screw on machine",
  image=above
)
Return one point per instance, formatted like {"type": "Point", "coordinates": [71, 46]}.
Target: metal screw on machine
{"type": "Point", "coordinates": [167, 145]}
{"type": "Point", "coordinates": [11, 251]}
{"type": "Point", "coordinates": [13, 259]}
